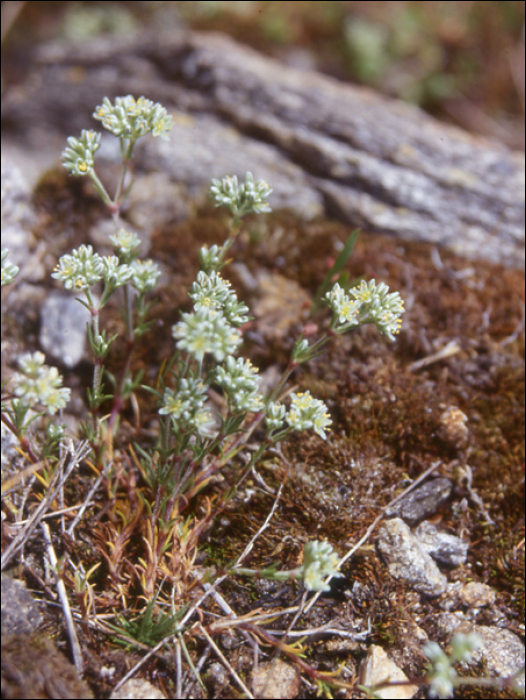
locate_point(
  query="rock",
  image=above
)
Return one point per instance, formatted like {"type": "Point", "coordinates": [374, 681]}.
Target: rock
{"type": "Point", "coordinates": [276, 679]}
{"type": "Point", "coordinates": [407, 561]}
{"type": "Point", "coordinates": [476, 595]}
{"type": "Point", "coordinates": [63, 328]}
{"type": "Point", "coordinates": [443, 547]}
{"type": "Point", "coordinates": [378, 668]}
{"type": "Point", "coordinates": [137, 689]}
{"type": "Point", "coordinates": [423, 502]}
{"type": "Point", "coordinates": [323, 145]}
{"type": "Point", "coordinates": [17, 212]}
{"type": "Point", "coordinates": [32, 667]}
{"type": "Point", "coordinates": [501, 651]}
{"type": "Point", "coordinates": [20, 613]}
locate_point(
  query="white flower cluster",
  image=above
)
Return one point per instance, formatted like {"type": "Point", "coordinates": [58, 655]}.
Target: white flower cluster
{"type": "Point", "coordinates": [39, 384]}
{"type": "Point", "coordinates": [367, 303]}
{"type": "Point", "coordinates": [80, 270]}
{"type": "Point", "coordinates": [246, 198]}
{"type": "Point", "coordinates": [9, 269]}
{"type": "Point", "coordinates": [210, 258]}
{"type": "Point", "coordinates": [211, 291]}
{"type": "Point", "coordinates": [275, 417]}
{"type": "Point", "coordinates": [206, 331]}
{"type": "Point", "coordinates": [126, 245]}
{"type": "Point", "coordinates": [144, 275]}
{"type": "Point", "coordinates": [305, 413]}
{"type": "Point", "coordinates": [78, 157]}
{"type": "Point", "coordinates": [239, 380]}
{"type": "Point", "coordinates": [130, 118]}
{"type": "Point", "coordinates": [84, 268]}
{"type": "Point", "coordinates": [319, 562]}
{"type": "Point", "coordinates": [186, 406]}
{"type": "Point", "coordinates": [114, 273]}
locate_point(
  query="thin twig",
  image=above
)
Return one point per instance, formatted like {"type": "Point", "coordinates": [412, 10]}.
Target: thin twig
{"type": "Point", "coordinates": [62, 594]}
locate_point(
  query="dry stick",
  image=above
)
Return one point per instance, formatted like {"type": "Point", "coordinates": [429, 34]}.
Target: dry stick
{"type": "Point", "coordinates": [62, 594]}
{"type": "Point", "coordinates": [56, 484]}
{"type": "Point", "coordinates": [178, 669]}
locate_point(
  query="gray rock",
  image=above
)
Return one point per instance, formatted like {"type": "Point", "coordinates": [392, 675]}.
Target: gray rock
{"type": "Point", "coordinates": [322, 144]}
{"type": "Point", "coordinates": [423, 502]}
{"type": "Point", "coordinates": [20, 613]}
{"type": "Point", "coordinates": [443, 547]}
{"type": "Point", "coordinates": [17, 212]}
{"type": "Point", "coordinates": [501, 651]}
{"type": "Point", "coordinates": [63, 328]}
{"type": "Point", "coordinates": [406, 559]}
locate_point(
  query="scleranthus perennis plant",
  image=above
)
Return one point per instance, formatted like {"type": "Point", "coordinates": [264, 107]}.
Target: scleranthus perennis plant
{"type": "Point", "coordinates": [197, 439]}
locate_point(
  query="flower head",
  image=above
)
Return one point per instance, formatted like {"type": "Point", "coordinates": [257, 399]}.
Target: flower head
{"type": "Point", "coordinates": [319, 562]}
{"type": "Point", "coordinates": [206, 331]}
{"type": "Point", "coordinates": [343, 307]}
{"type": "Point", "coordinates": [185, 406]}
{"type": "Point", "coordinates": [247, 198]}
{"type": "Point", "coordinates": [130, 118]}
{"type": "Point", "coordinates": [126, 245]}
{"type": "Point", "coordinates": [115, 274]}
{"type": "Point", "coordinates": [145, 274]}
{"type": "Point", "coordinates": [240, 382]}
{"type": "Point", "coordinates": [78, 157]}
{"type": "Point", "coordinates": [211, 291]}
{"type": "Point", "coordinates": [275, 415]}
{"type": "Point", "coordinates": [306, 413]}
{"type": "Point", "coordinates": [9, 270]}
{"type": "Point", "coordinates": [379, 307]}
{"type": "Point", "coordinates": [80, 270]}
{"type": "Point", "coordinates": [210, 258]}
{"type": "Point", "coordinates": [36, 383]}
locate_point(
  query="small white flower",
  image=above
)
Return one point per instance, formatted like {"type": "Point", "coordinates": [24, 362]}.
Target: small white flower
{"type": "Point", "coordinates": [145, 274]}
{"type": "Point", "coordinates": [240, 382]}
{"type": "Point", "coordinates": [9, 270]}
{"type": "Point", "coordinates": [78, 157]}
{"type": "Point", "coordinates": [130, 118]}
{"type": "Point", "coordinates": [344, 308]}
{"type": "Point", "coordinates": [275, 415]}
{"type": "Point", "coordinates": [211, 291]}
{"type": "Point", "coordinates": [114, 273]}
{"type": "Point", "coordinates": [206, 331]}
{"type": "Point", "coordinates": [319, 562]}
{"type": "Point", "coordinates": [210, 259]}
{"type": "Point", "coordinates": [39, 384]}
{"type": "Point", "coordinates": [80, 270]}
{"type": "Point", "coordinates": [306, 413]}
{"type": "Point", "coordinates": [380, 307]}
{"type": "Point", "coordinates": [125, 244]}
{"type": "Point", "coordinates": [247, 198]}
